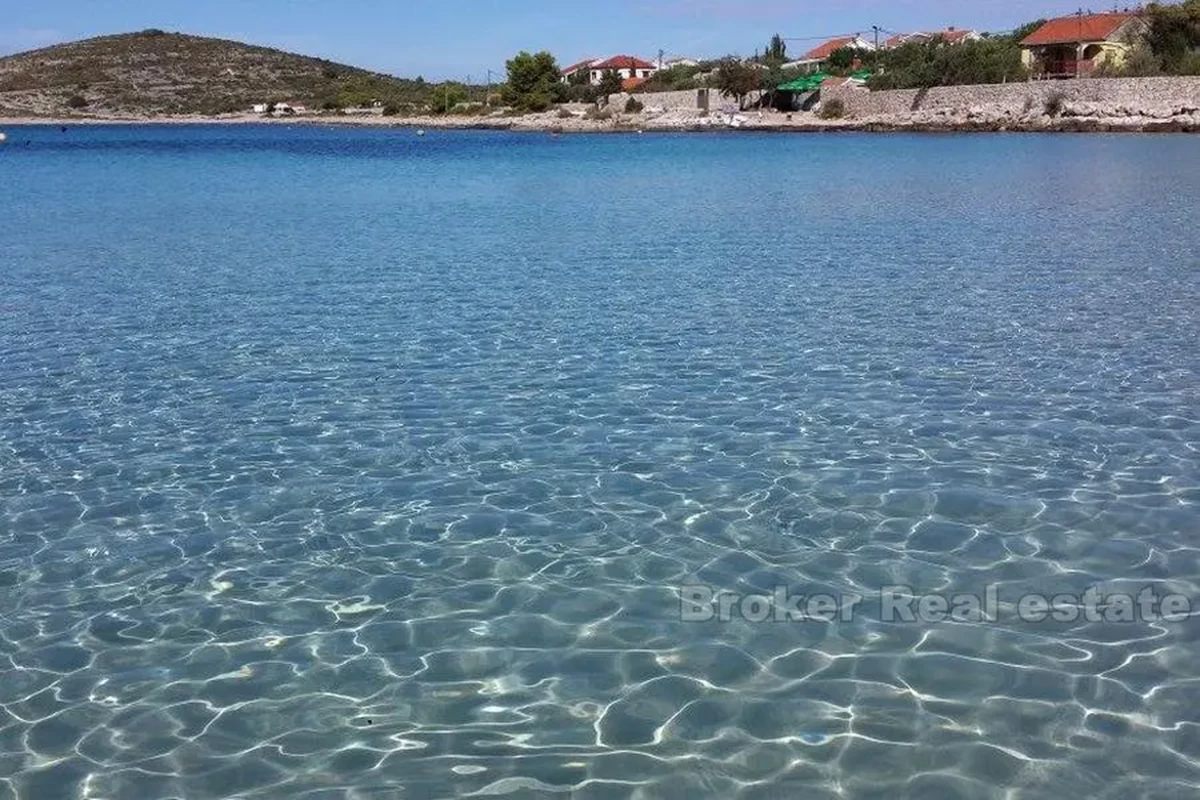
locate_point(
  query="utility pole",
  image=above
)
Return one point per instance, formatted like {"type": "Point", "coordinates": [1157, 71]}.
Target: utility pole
{"type": "Point", "coordinates": [876, 29]}
{"type": "Point", "coordinates": [487, 98]}
{"type": "Point", "coordinates": [661, 54]}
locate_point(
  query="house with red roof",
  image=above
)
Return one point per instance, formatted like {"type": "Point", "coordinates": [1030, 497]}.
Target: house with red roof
{"type": "Point", "coordinates": [815, 59]}
{"type": "Point", "coordinates": [579, 66]}
{"type": "Point", "coordinates": [892, 42]}
{"type": "Point", "coordinates": [628, 68]}
{"type": "Point", "coordinates": [951, 35]}
{"type": "Point", "coordinates": [1078, 45]}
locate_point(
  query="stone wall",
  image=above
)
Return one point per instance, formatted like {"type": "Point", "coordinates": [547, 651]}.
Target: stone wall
{"type": "Point", "coordinates": [677, 101]}
{"type": "Point", "coordinates": [668, 101]}
{"type": "Point", "coordinates": [1130, 96]}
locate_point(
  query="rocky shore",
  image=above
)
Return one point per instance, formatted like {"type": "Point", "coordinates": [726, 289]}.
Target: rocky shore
{"type": "Point", "coordinates": [1070, 118]}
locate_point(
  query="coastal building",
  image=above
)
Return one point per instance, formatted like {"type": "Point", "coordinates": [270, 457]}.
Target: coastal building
{"type": "Point", "coordinates": [576, 68]}
{"type": "Point", "coordinates": [627, 68]}
{"type": "Point", "coordinates": [951, 35]}
{"type": "Point", "coordinates": [1078, 45]}
{"type": "Point", "coordinates": [671, 63]}
{"type": "Point", "coordinates": [814, 60]}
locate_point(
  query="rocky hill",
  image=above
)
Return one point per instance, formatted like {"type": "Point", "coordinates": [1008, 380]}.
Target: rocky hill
{"type": "Point", "coordinates": [153, 72]}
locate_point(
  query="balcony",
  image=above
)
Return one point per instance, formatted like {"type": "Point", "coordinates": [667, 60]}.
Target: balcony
{"type": "Point", "coordinates": [1068, 68]}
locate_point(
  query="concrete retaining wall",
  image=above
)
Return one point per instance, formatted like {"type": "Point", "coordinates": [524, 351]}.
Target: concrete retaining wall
{"type": "Point", "coordinates": [1133, 96]}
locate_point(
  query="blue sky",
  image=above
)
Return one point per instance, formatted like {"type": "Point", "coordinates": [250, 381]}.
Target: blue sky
{"type": "Point", "coordinates": [457, 38]}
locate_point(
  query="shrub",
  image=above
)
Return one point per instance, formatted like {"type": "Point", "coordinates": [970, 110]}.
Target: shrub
{"type": "Point", "coordinates": [564, 114]}
{"type": "Point", "coordinates": [634, 106]}
{"type": "Point", "coordinates": [595, 113]}
{"type": "Point", "coordinates": [537, 102]}
{"type": "Point", "coordinates": [391, 110]}
{"type": "Point", "coordinates": [833, 108]}
{"type": "Point", "coordinates": [1053, 105]}
{"type": "Point", "coordinates": [914, 65]}
{"type": "Point", "coordinates": [77, 101]}
{"type": "Point", "coordinates": [1141, 63]}
{"type": "Point", "coordinates": [581, 94]}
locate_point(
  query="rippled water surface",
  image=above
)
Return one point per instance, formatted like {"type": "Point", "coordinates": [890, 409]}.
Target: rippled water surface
{"type": "Point", "coordinates": [349, 464]}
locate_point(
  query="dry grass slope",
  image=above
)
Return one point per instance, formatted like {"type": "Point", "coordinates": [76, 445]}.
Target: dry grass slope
{"type": "Point", "coordinates": [153, 72]}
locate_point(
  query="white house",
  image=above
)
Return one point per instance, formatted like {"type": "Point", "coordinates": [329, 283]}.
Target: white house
{"type": "Point", "coordinates": [576, 68]}
{"type": "Point", "coordinates": [629, 68]}
{"type": "Point", "coordinates": [815, 59]}
{"type": "Point", "coordinates": [671, 63]}
{"type": "Point", "coordinates": [951, 35]}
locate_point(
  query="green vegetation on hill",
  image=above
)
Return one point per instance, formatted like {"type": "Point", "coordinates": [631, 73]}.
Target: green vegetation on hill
{"type": "Point", "coordinates": [153, 72]}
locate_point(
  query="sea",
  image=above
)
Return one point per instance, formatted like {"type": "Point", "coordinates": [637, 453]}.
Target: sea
{"type": "Point", "coordinates": [352, 463]}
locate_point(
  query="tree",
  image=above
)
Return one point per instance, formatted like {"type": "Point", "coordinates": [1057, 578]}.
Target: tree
{"type": "Point", "coordinates": [610, 83]}
{"type": "Point", "coordinates": [844, 58]}
{"type": "Point", "coordinates": [1029, 27]}
{"type": "Point", "coordinates": [533, 81]}
{"type": "Point", "coordinates": [737, 80]}
{"type": "Point", "coordinates": [776, 50]}
{"type": "Point", "coordinates": [1174, 37]}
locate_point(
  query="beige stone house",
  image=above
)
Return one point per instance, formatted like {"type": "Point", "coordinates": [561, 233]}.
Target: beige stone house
{"type": "Point", "coordinates": [1078, 45]}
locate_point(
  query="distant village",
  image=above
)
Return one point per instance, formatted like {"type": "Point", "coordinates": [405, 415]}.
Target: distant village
{"type": "Point", "coordinates": [1067, 47]}
{"type": "Point", "coordinates": [1082, 45]}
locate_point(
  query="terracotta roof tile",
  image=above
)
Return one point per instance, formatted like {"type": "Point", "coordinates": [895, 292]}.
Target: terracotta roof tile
{"type": "Point", "coordinates": [577, 66]}
{"type": "Point", "coordinates": [1088, 28]}
{"type": "Point", "coordinates": [624, 62]}
{"type": "Point", "coordinates": [826, 50]}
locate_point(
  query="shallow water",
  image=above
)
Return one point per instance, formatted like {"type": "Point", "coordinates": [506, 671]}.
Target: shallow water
{"type": "Point", "coordinates": [345, 464]}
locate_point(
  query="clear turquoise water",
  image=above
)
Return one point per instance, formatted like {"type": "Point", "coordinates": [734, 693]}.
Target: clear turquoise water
{"type": "Point", "coordinates": [345, 464]}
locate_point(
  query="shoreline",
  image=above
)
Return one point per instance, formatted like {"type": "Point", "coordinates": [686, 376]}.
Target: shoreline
{"type": "Point", "coordinates": [749, 122]}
